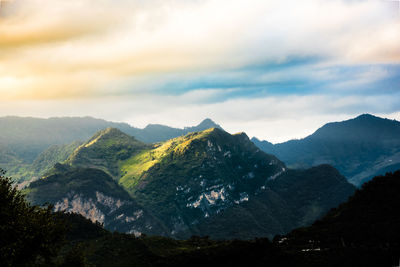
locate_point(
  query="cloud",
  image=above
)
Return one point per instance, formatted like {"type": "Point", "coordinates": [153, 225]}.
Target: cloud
{"type": "Point", "coordinates": [37, 22]}
{"type": "Point", "coordinates": [275, 69]}
{"type": "Point", "coordinates": [80, 48]}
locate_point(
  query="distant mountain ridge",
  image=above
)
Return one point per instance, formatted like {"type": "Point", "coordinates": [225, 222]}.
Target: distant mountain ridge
{"type": "Point", "coordinates": [22, 140]}
{"type": "Point", "coordinates": [360, 148]}
{"type": "Point", "coordinates": [157, 133]}
{"type": "Point", "coordinates": [200, 183]}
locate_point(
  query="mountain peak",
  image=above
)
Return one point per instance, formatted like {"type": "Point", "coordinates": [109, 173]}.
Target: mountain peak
{"type": "Point", "coordinates": [242, 135]}
{"type": "Point", "coordinates": [208, 123]}
{"type": "Point", "coordinates": [105, 148]}
{"type": "Point", "coordinates": [365, 126]}
{"type": "Point", "coordinates": [107, 134]}
{"type": "Point", "coordinates": [204, 125]}
{"type": "Point", "coordinates": [112, 131]}
{"type": "Point", "coordinates": [109, 131]}
{"type": "Point", "coordinates": [366, 116]}
{"type": "Point", "coordinates": [214, 132]}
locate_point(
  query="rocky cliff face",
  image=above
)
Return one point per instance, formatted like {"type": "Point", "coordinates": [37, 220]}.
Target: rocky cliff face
{"type": "Point", "coordinates": [93, 194]}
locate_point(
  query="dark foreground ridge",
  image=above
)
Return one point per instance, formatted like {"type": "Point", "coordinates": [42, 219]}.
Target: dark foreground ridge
{"type": "Point", "coordinates": [361, 232]}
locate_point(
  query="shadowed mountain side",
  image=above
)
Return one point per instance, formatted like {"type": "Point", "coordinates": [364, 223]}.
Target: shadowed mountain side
{"type": "Point", "coordinates": [363, 228]}
{"type": "Point", "coordinates": [295, 198]}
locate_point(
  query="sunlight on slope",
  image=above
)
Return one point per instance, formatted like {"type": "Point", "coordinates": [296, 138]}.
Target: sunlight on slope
{"type": "Point", "coordinates": [133, 169]}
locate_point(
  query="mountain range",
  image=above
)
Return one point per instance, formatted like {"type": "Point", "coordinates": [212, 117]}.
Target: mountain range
{"type": "Point", "coordinates": [204, 183]}
{"type": "Point", "coordinates": [360, 148]}
{"type": "Point", "coordinates": [28, 146]}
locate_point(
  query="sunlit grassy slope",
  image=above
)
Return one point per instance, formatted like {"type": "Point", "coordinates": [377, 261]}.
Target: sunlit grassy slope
{"type": "Point", "coordinates": [126, 159]}
{"type": "Point", "coordinates": [133, 168]}
{"type": "Point", "coordinates": [107, 150]}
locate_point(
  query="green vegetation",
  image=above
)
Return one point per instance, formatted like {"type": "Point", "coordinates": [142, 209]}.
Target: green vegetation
{"type": "Point", "coordinates": [134, 168]}
{"type": "Point", "coordinates": [54, 154]}
{"type": "Point", "coordinates": [190, 185]}
{"type": "Point", "coordinates": [105, 150]}
{"type": "Point", "coordinates": [212, 158]}
{"type": "Point", "coordinates": [30, 235]}
{"type": "Point", "coordinates": [43, 163]}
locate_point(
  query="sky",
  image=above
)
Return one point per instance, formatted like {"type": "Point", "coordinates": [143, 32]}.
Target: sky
{"type": "Point", "coordinates": [276, 70]}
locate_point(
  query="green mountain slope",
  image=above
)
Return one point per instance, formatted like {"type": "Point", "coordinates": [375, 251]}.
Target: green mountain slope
{"type": "Point", "coordinates": [54, 154]}
{"type": "Point", "coordinates": [359, 148]}
{"type": "Point", "coordinates": [202, 182]}
{"type": "Point", "coordinates": [105, 150]}
{"type": "Point", "coordinates": [28, 172]}
{"type": "Point", "coordinates": [196, 176]}
{"type": "Point", "coordinates": [11, 162]}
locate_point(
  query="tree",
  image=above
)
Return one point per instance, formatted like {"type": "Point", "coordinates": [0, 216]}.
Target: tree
{"type": "Point", "coordinates": [75, 257]}
{"type": "Point", "coordinates": [29, 235]}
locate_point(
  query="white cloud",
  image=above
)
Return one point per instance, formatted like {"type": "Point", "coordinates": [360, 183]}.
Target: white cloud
{"type": "Point", "coordinates": [109, 59]}
{"type": "Point", "coordinates": [62, 48]}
